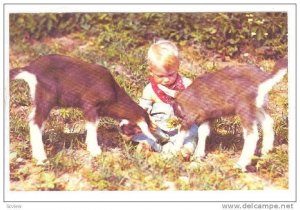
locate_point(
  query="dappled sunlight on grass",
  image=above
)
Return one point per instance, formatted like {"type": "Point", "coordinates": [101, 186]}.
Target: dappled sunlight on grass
{"type": "Point", "coordinates": [125, 165]}
{"type": "Point", "coordinates": [129, 169]}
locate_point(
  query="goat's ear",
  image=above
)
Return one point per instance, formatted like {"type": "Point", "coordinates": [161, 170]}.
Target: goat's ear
{"type": "Point", "coordinates": [177, 109]}
{"type": "Point", "coordinates": [186, 120]}
{"type": "Point", "coordinates": [168, 91]}
{"type": "Point", "coordinates": [128, 128]}
{"type": "Point", "coordinates": [123, 122]}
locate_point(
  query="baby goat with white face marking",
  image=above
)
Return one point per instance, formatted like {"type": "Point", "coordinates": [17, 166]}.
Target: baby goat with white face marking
{"type": "Point", "coordinates": [237, 90]}
{"type": "Point", "coordinates": [61, 81]}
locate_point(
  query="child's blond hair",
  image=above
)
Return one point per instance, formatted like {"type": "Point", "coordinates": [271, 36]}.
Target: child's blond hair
{"type": "Point", "coordinates": [163, 54]}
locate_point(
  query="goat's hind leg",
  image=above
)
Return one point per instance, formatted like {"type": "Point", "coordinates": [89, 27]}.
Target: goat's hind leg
{"type": "Point", "coordinates": [251, 137]}
{"type": "Point", "coordinates": [203, 133]}
{"type": "Point", "coordinates": [268, 132]}
{"type": "Point", "coordinates": [36, 120]}
{"type": "Point", "coordinates": [38, 115]}
{"type": "Point", "coordinates": [35, 132]}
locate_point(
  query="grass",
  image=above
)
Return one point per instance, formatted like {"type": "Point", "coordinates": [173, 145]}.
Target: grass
{"type": "Point", "coordinates": [129, 169]}
{"type": "Point", "coordinates": [122, 166]}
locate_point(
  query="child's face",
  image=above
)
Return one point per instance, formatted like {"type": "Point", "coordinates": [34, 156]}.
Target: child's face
{"type": "Point", "coordinates": [164, 76]}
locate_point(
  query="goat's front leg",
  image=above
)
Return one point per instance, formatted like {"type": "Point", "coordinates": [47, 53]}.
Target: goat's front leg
{"type": "Point", "coordinates": [203, 133]}
{"type": "Point", "coordinates": [91, 138]}
{"type": "Point", "coordinates": [91, 125]}
{"type": "Point", "coordinates": [145, 129]}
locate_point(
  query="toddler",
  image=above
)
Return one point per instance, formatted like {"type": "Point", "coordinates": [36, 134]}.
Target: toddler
{"type": "Point", "coordinates": [163, 64]}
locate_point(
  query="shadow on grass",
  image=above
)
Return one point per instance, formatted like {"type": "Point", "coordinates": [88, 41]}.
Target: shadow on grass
{"type": "Point", "coordinates": [55, 141]}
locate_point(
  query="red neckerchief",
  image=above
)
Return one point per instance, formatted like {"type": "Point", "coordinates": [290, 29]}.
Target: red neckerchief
{"type": "Point", "coordinates": [177, 85]}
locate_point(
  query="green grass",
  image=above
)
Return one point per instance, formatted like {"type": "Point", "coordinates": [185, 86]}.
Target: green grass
{"type": "Point", "coordinates": [122, 166]}
{"type": "Point", "coordinates": [129, 169]}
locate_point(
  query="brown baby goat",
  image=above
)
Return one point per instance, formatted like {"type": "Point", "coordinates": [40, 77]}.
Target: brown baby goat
{"type": "Point", "coordinates": [237, 90]}
{"type": "Point", "coordinates": [61, 81]}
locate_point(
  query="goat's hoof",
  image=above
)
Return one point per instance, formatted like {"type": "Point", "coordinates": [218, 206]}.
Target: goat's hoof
{"type": "Point", "coordinates": [95, 151]}
{"type": "Point", "coordinates": [246, 169]}
{"type": "Point", "coordinates": [198, 159]}
{"type": "Point", "coordinates": [251, 169]}
{"type": "Point", "coordinates": [40, 159]}
{"type": "Point", "coordinates": [240, 167]}
{"type": "Point", "coordinates": [186, 153]}
{"type": "Point", "coordinates": [265, 152]}
{"type": "Point", "coordinates": [42, 162]}
{"type": "Point", "coordinates": [195, 165]}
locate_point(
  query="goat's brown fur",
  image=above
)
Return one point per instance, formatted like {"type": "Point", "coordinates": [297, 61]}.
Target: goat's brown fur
{"type": "Point", "coordinates": [68, 82]}
{"type": "Point", "coordinates": [229, 91]}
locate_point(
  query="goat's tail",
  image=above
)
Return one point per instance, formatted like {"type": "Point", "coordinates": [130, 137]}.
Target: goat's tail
{"type": "Point", "coordinates": [29, 77]}
{"type": "Point", "coordinates": [279, 70]}
{"type": "Point", "coordinates": [14, 72]}
{"type": "Point", "coordinates": [281, 64]}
